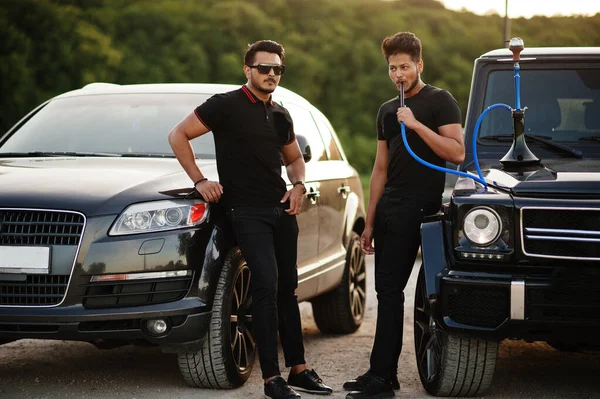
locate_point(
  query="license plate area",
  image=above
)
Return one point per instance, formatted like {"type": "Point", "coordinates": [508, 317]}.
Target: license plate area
{"type": "Point", "coordinates": [24, 259]}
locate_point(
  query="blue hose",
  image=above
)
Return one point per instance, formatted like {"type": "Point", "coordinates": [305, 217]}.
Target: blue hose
{"type": "Point", "coordinates": [439, 168]}
{"type": "Point", "coordinates": [480, 179]}
{"type": "Point", "coordinates": [476, 133]}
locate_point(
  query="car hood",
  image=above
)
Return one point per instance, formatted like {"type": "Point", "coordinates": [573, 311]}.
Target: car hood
{"type": "Point", "coordinates": [559, 178]}
{"type": "Point", "coordinates": [93, 186]}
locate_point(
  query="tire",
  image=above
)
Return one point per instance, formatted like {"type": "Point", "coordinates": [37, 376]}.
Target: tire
{"type": "Point", "coordinates": [342, 310]}
{"type": "Point", "coordinates": [229, 351]}
{"type": "Point", "coordinates": [449, 365]}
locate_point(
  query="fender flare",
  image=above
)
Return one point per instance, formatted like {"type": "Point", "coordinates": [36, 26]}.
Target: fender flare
{"type": "Point", "coordinates": [433, 251]}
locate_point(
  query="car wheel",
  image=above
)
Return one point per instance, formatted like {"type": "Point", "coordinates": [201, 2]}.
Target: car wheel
{"type": "Point", "coordinates": [229, 350]}
{"type": "Point", "coordinates": [342, 310]}
{"type": "Point", "coordinates": [449, 365]}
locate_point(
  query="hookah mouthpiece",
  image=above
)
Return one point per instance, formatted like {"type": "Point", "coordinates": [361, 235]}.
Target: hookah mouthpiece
{"type": "Point", "coordinates": [401, 94]}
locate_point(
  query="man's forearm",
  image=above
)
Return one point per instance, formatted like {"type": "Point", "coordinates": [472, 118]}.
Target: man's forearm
{"type": "Point", "coordinates": [296, 170]}
{"type": "Point", "coordinates": [445, 147]}
{"type": "Point", "coordinates": [378, 180]}
{"type": "Point", "coordinates": [182, 148]}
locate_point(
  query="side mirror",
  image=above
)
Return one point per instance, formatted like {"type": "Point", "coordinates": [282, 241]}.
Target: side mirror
{"type": "Point", "coordinates": [304, 147]}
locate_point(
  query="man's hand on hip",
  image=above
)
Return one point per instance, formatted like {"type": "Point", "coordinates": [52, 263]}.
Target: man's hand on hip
{"type": "Point", "coordinates": [296, 196]}
{"type": "Point", "coordinates": [211, 191]}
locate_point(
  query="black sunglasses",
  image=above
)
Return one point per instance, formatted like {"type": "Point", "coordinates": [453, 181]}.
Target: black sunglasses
{"type": "Point", "coordinates": [264, 69]}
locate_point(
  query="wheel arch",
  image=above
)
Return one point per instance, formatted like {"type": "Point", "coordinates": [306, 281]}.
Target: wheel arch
{"type": "Point", "coordinates": [220, 242]}
{"type": "Point", "coordinates": [434, 255]}
{"type": "Point", "coordinates": [354, 217]}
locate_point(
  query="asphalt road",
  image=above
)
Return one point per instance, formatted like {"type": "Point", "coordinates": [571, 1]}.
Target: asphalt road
{"type": "Point", "coordinates": [49, 369]}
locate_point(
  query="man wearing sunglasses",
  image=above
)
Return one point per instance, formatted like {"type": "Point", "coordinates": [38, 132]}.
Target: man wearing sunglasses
{"type": "Point", "coordinates": [252, 136]}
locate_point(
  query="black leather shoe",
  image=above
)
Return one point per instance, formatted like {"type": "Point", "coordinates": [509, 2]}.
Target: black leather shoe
{"type": "Point", "coordinates": [373, 388]}
{"type": "Point", "coordinates": [309, 381]}
{"type": "Point", "coordinates": [277, 388]}
{"type": "Point", "coordinates": [358, 383]}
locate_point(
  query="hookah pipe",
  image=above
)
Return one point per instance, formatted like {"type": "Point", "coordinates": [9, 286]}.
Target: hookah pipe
{"type": "Point", "coordinates": [519, 154]}
{"type": "Point", "coordinates": [479, 178]}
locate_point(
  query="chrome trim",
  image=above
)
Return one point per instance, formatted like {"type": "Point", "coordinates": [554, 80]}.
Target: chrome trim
{"type": "Point", "coordinates": [550, 208]}
{"type": "Point", "coordinates": [335, 266]}
{"type": "Point", "coordinates": [555, 238]}
{"type": "Point", "coordinates": [104, 278]}
{"type": "Point", "coordinates": [564, 231]}
{"type": "Point", "coordinates": [74, 259]}
{"type": "Point", "coordinates": [517, 300]}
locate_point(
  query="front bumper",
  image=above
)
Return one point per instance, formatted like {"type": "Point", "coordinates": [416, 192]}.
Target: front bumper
{"type": "Point", "coordinates": [188, 320]}
{"type": "Point", "coordinates": [488, 301]}
{"type": "Point", "coordinates": [66, 304]}
{"type": "Point", "coordinates": [521, 307]}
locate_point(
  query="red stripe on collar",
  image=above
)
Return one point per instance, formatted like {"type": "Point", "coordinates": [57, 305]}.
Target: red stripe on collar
{"type": "Point", "coordinates": [249, 94]}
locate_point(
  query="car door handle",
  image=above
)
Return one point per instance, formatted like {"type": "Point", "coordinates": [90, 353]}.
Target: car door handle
{"type": "Point", "coordinates": [344, 189]}
{"type": "Point", "coordinates": [313, 194]}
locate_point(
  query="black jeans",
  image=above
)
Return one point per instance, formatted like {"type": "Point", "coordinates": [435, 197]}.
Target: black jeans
{"type": "Point", "coordinates": [268, 239]}
{"type": "Point", "coordinates": [397, 236]}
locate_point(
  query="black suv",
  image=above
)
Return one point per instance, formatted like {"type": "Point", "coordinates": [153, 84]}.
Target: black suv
{"type": "Point", "coordinates": [516, 254]}
{"type": "Point", "coordinates": [103, 240]}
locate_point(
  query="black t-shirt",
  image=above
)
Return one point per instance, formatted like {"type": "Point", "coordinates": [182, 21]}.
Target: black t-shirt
{"type": "Point", "coordinates": [433, 107]}
{"type": "Point", "coordinates": [249, 135]}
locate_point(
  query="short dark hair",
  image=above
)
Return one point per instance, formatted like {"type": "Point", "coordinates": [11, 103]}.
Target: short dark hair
{"type": "Point", "coordinates": [402, 42]}
{"type": "Point", "coordinates": [269, 46]}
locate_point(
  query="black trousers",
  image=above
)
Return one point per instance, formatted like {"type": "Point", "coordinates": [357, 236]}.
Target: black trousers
{"type": "Point", "coordinates": [397, 236]}
{"type": "Point", "coordinates": [268, 239]}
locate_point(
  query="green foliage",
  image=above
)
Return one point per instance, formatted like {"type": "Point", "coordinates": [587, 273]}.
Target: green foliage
{"type": "Point", "coordinates": [332, 49]}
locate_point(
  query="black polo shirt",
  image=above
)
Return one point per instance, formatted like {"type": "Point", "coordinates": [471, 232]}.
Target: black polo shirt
{"type": "Point", "coordinates": [249, 135]}
{"type": "Point", "coordinates": [433, 107]}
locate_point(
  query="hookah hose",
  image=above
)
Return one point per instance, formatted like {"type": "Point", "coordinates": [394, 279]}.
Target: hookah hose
{"type": "Point", "coordinates": [479, 178]}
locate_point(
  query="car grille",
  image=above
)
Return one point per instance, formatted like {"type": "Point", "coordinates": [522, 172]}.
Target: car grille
{"type": "Point", "coordinates": [573, 295]}
{"type": "Point", "coordinates": [33, 227]}
{"type": "Point", "coordinates": [562, 233]}
{"type": "Point", "coordinates": [475, 306]}
{"type": "Point", "coordinates": [36, 290]}
{"type": "Point", "coordinates": [135, 292]}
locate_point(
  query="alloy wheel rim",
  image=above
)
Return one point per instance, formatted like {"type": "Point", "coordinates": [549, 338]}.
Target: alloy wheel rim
{"type": "Point", "coordinates": [428, 338]}
{"type": "Point", "coordinates": [243, 346]}
{"type": "Point", "coordinates": [358, 283]}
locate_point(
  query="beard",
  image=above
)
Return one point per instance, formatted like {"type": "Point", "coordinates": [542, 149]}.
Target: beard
{"type": "Point", "coordinates": [414, 84]}
{"type": "Point", "coordinates": [260, 85]}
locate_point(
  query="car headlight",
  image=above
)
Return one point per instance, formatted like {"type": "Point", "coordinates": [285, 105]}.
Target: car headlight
{"type": "Point", "coordinates": [482, 226]}
{"type": "Point", "coordinates": [150, 217]}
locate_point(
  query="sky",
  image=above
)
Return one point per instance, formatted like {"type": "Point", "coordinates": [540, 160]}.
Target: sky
{"type": "Point", "coordinates": [527, 8]}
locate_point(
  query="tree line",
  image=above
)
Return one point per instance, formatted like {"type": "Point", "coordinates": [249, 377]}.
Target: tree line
{"type": "Point", "coordinates": [332, 47]}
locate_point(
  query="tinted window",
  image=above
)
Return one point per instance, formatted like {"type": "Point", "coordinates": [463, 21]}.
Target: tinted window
{"type": "Point", "coordinates": [304, 125]}
{"type": "Point", "coordinates": [113, 123]}
{"type": "Point", "coordinates": [561, 104]}
{"type": "Point", "coordinates": [327, 134]}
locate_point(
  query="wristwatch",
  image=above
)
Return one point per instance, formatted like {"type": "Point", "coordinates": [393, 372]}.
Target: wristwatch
{"type": "Point", "coordinates": [301, 183]}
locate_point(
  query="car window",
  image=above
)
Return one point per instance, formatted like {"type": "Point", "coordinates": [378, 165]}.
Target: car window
{"type": "Point", "coordinates": [304, 125]}
{"type": "Point", "coordinates": [327, 134]}
{"type": "Point", "coordinates": [112, 123]}
{"type": "Point", "coordinates": [562, 104]}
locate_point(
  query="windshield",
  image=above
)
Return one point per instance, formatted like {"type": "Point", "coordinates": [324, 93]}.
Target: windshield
{"type": "Point", "coordinates": [109, 123]}
{"type": "Point", "coordinates": [562, 104]}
